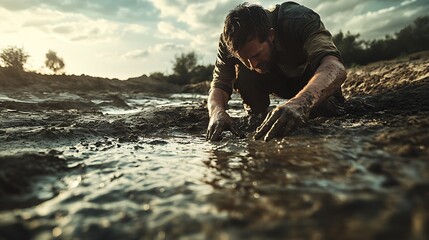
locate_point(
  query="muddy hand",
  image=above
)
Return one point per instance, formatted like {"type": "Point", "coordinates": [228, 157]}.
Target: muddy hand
{"type": "Point", "coordinates": [219, 122]}
{"type": "Point", "coordinates": [281, 120]}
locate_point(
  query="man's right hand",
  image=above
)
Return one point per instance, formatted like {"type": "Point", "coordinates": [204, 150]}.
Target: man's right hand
{"type": "Point", "coordinates": [219, 121]}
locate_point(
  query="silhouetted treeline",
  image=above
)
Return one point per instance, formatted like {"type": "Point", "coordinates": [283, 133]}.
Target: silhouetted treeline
{"type": "Point", "coordinates": [413, 38]}
{"type": "Point", "coordinates": [186, 70]}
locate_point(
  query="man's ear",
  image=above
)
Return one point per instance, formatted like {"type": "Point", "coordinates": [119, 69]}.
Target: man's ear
{"type": "Point", "coordinates": [271, 34]}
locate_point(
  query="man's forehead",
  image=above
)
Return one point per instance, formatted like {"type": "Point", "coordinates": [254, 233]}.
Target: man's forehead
{"type": "Point", "coordinates": [250, 49]}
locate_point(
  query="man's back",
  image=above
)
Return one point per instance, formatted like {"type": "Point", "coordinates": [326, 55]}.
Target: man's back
{"type": "Point", "coordinates": [301, 38]}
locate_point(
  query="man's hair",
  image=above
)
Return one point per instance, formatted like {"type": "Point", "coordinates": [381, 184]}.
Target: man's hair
{"type": "Point", "coordinates": [244, 23]}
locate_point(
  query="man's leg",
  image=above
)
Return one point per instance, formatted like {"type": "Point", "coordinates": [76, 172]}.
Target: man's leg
{"type": "Point", "coordinates": [253, 90]}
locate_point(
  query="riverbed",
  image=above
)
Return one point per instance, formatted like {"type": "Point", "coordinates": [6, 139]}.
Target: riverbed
{"type": "Point", "coordinates": [137, 166]}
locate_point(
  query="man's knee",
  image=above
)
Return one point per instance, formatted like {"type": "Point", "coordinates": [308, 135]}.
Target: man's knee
{"type": "Point", "coordinates": [252, 90]}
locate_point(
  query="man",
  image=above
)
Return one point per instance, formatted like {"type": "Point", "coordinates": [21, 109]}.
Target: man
{"type": "Point", "coordinates": [287, 52]}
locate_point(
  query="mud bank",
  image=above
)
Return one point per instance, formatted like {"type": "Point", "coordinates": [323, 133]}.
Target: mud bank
{"type": "Point", "coordinates": [126, 165]}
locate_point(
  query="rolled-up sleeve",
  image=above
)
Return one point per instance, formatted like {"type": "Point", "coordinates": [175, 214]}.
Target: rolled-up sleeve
{"type": "Point", "coordinates": [317, 40]}
{"type": "Point", "coordinates": [224, 71]}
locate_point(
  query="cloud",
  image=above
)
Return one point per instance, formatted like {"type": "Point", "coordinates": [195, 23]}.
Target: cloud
{"type": "Point", "coordinates": [199, 23]}
{"type": "Point", "coordinates": [136, 54]}
{"type": "Point", "coordinates": [378, 22]}
{"type": "Point", "coordinates": [8, 24]}
{"type": "Point", "coordinates": [204, 14]}
{"type": "Point", "coordinates": [62, 29]}
{"type": "Point", "coordinates": [124, 10]}
{"type": "Point", "coordinates": [162, 47]}
{"type": "Point", "coordinates": [169, 7]}
{"type": "Point", "coordinates": [329, 8]}
{"type": "Point", "coordinates": [72, 26]}
{"type": "Point", "coordinates": [14, 5]}
{"type": "Point", "coordinates": [173, 32]}
{"type": "Point", "coordinates": [168, 47]}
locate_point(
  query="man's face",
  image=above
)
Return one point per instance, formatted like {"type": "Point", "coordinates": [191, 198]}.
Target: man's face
{"type": "Point", "coordinates": [257, 55]}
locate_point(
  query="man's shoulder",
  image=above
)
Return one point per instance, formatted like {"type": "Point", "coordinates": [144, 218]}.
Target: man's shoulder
{"type": "Point", "coordinates": [293, 10]}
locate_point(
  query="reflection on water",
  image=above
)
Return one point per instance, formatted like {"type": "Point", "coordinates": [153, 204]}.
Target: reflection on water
{"type": "Point", "coordinates": [334, 185]}
{"type": "Point", "coordinates": [39, 97]}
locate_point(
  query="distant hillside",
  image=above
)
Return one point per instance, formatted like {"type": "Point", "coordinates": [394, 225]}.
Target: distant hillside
{"type": "Point", "coordinates": [16, 80]}
{"type": "Point", "coordinates": [372, 79]}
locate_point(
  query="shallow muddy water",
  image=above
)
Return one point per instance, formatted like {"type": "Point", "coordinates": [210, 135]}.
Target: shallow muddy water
{"type": "Point", "coordinates": [137, 166]}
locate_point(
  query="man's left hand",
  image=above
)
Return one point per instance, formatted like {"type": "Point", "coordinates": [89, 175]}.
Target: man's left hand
{"type": "Point", "coordinates": [282, 120]}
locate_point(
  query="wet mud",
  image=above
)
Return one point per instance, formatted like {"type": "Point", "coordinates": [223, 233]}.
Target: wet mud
{"type": "Point", "coordinates": [121, 165]}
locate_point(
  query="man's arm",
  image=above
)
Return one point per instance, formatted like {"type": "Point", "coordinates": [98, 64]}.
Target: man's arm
{"type": "Point", "coordinates": [217, 101]}
{"type": "Point", "coordinates": [219, 119]}
{"type": "Point", "coordinates": [220, 90]}
{"type": "Point", "coordinates": [327, 80]}
{"type": "Point", "coordinates": [287, 116]}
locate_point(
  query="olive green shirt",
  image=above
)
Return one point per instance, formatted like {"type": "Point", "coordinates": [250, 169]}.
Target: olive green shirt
{"type": "Point", "coordinates": [301, 41]}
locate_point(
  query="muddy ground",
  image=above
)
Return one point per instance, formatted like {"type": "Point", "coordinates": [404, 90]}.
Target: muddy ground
{"type": "Point", "coordinates": [364, 175]}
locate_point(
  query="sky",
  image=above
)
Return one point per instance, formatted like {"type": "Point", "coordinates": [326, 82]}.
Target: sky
{"type": "Point", "coordinates": [130, 38]}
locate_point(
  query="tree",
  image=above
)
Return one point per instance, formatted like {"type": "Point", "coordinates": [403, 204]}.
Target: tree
{"type": "Point", "coordinates": [183, 67]}
{"type": "Point", "coordinates": [202, 73]}
{"type": "Point", "coordinates": [410, 39]}
{"type": "Point", "coordinates": [14, 57]}
{"type": "Point", "coordinates": [414, 37]}
{"type": "Point", "coordinates": [54, 62]}
{"type": "Point", "coordinates": [349, 46]}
